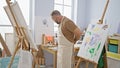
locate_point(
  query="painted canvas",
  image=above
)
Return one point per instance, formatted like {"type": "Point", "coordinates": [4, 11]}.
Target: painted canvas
{"type": "Point", "coordinates": [93, 42]}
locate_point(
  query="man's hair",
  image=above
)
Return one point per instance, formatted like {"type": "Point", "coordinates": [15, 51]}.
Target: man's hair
{"type": "Point", "coordinates": [55, 12]}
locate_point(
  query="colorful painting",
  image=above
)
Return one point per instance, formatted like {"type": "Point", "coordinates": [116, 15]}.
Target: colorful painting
{"type": "Point", "coordinates": [93, 42]}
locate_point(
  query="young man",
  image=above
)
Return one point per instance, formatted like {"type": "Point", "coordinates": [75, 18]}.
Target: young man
{"type": "Point", "coordinates": [69, 34]}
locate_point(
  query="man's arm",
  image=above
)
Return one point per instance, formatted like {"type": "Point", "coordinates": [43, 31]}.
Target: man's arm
{"type": "Point", "coordinates": [77, 34]}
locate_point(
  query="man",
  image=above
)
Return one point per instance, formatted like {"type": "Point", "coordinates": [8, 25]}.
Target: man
{"type": "Point", "coordinates": [69, 34]}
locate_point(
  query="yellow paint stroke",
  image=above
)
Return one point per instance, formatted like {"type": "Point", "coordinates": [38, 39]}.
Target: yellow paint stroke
{"type": "Point", "coordinates": [87, 39]}
{"type": "Point", "coordinates": [96, 29]}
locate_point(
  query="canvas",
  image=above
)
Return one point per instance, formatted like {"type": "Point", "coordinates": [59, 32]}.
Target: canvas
{"type": "Point", "coordinates": [20, 21]}
{"type": "Point", "coordinates": [93, 42]}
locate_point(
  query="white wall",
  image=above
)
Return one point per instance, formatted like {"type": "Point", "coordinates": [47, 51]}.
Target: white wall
{"type": "Point", "coordinates": [81, 14]}
{"type": "Point", "coordinates": [94, 12]}
{"type": "Point", "coordinates": [42, 11]}
{"type": "Point", "coordinates": [42, 23]}
{"type": "Point", "coordinates": [113, 16]}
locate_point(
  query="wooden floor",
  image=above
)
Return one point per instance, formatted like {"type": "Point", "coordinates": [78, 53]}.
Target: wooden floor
{"type": "Point", "coordinates": [111, 64]}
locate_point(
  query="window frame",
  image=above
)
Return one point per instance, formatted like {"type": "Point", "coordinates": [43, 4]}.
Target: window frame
{"type": "Point", "coordinates": [73, 12]}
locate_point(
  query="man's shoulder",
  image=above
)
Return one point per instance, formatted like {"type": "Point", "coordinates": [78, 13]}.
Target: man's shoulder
{"type": "Point", "coordinates": [67, 20]}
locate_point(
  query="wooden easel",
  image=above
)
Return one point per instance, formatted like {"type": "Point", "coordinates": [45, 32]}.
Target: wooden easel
{"type": "Point", "coordinates": [87, 62]}
{"type": "Point", "coordinates": [4, 46]}
{"type": "Point", "coordinates": [22, 40]}
{"type": "Point", "coordinates": [104, 56]}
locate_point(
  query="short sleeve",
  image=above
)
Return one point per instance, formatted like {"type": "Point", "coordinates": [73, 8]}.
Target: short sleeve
{"type": "Point", "coordinates": [70, 26]}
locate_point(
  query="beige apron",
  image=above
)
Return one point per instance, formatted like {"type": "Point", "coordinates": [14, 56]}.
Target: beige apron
{"type": "Point", "coordinates": [65, 51]}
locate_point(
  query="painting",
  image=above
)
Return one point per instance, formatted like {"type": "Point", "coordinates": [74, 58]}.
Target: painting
{"type": "Point", "coordinates": [93, 42]}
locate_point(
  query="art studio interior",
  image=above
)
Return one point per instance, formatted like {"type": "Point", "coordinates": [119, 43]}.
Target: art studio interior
{"type": "Point", "coordinates": [59, 34]}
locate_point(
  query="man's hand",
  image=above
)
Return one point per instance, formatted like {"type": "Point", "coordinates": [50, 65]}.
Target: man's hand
{"type": "Point", "coordinates": [77, 34]}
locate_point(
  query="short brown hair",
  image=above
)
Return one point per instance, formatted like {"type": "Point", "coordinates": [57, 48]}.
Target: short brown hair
{"type": "Point", "coordinates": [55, 12]}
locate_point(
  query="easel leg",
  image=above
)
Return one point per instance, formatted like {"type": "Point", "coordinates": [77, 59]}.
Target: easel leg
{"type": "Point", "coordinates": [95, 66]}
{"type": "Point", "coordinates": [33, 63]}
{"type": "Point", "coordinates": [55, 60]}
{"type": "Point", "coordinates": [105, 61]}
{"type": "Point", "coordinates": [78, 63]}
{"type": "Point", "coordinates": [87, 63]}
{"type": "Point", "coordinates": [12, 58]}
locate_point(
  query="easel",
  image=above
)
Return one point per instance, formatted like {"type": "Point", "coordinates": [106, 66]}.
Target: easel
{"type": "Point", "coordinates": [22, 40]}
{"type": "Point", "coordinates": [4, 46]}
{"type": "Point", "coordinates": [104, 56]}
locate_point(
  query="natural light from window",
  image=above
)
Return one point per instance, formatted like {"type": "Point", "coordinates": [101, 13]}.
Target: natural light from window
{"type": "Point", "coordinates": [65, 7]}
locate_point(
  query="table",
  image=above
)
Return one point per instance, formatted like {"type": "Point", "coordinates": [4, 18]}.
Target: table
{"type": "Point", "coordinates": [53, 50]}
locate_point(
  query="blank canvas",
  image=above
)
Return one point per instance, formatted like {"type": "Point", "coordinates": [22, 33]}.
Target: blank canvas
{"type": "Point", "coordinates": [20, 21]}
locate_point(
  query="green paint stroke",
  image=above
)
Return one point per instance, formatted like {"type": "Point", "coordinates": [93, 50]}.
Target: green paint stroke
{"type": "Point", "coordinates": [91, 51]}
{"type": "Point", "coordinates": [98, 46]}
{"type": "Point", "coordinates": [89, 32]}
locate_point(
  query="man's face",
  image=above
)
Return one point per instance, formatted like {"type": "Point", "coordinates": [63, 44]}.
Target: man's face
{"type": "Point", "coordinates": [55, 18]}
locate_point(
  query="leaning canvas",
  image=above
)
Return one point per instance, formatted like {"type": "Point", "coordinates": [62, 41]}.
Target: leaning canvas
{"type": "Point", "coordinates": [20, 21]}
{"type": "Point", "coordinates": [93, 42]}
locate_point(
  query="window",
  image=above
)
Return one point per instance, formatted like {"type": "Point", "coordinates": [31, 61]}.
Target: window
{"type": "Point", "coordinates": [5, 25]}
{"type": "Point", "coordinates": [65, 7]}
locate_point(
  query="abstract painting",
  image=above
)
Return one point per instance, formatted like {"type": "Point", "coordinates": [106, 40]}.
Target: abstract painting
{"type": "Point", "coordinates": [93, 42]}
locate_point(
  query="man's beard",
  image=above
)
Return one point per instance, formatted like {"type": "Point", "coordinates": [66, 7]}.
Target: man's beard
{"type": "Point", "coordinates": [57, 22]}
